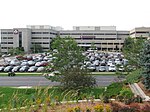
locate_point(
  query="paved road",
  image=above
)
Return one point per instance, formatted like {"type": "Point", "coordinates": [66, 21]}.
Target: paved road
{"type": "Point", "coordinates": [42, 81]}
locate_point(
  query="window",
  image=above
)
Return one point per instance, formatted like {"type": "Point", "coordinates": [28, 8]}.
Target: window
{"type": "Point", "coordinates": [4, 37]}
{"type": "Point", "coordinates": [110, 38]}
{"type": "Point", "coordinates": [3, 42]}
{"type": "Point", "coordinates": [110, 34]}
{"type": "Point", "coordinates": [99, 39]}
{"type": "Point", "coordinates": [3, 32]}
{"type": "Point", "coordinates": [45, 37]}
{"type": "Point", "coordinates": [142, 32]}
{"type": "Point", "coordinates": [4, 47]}
{"type": "Point", "coordinates": [10, 37]}
{"type": "Point", "coordinates": [10, 42]}
{"type": "Point", "coordinates": [53, 33]}
{"type": "Point", "coordinates": [75, 33]}
{"type": "Point", "coordinates": [10, 32]}
{"type": "Point", "coordinates": [116, 43]}
{"type": "Point", "coordinates": [45, 48]}
{"type": "Point", "coordinates": [36, 32]}
{"type": "Point", "coordinates": [36, 37]}
{"type": "Point", "coordinates": [45, 43]}
{"type": "Point", "coordinates": [64, 33]}
{"type": "Point", "coordinates": [45, 32]}
{"type": "Point", "coordinates": [119, 39]}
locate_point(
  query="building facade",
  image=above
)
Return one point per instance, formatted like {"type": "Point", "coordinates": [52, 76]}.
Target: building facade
{"type": "Point", "coordinates": [143, 32]}
{"type": "Point", "coordinates": [105, 38]}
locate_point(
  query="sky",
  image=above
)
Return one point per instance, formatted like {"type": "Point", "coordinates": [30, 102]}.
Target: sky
{"type": "Point", "coordinates": [124, 14]}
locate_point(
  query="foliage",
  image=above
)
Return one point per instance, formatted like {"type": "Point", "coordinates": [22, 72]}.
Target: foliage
{"type": "Point", "coordinates": [40, 94]}
{"type": "Point", "coordinates": [113, 89]}
{"type": "Point", "coordinates": [145, 63]}
{"type": "Point", "coordinates": [16, 51]}
{"type": "Point", "coordinates": [36, 48]}
{"type": "Point", "coordinates": [68, 62]}
{"type": "Point", "coordinates": [75, 78]}
{"type": "Point", "coordinates": [99, 108]}
{"type": "Point", "coordinates": [132, 48]}
{"type": "Point", "coordinates": [134, 76]}
{"type": "Point", "coordinates": [126, 93]}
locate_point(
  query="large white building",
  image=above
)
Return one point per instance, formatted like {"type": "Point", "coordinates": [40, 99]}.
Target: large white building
{"type": "Point", "coordinates": [103, 37]}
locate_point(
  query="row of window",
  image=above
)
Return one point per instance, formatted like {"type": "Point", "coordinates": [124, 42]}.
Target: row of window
{"type": "Point", "coordinates": [39, 42]}
{"type": "Point", "coordinates": [6, 32]}
{"type": "Point", "coordinates": [91, 34]}
{"type": "Point", "coordinates": [6, 47]}
{"type": "Point", "coordinates": [6, 42]}
{"type": "Point", "coordinates": [97, 38]}
{"type": "Point", "coordinates": [44, 33]}
{"type": "Point", "coordinates": [7, 37]}
{"type": "Point", "coordinates": [41, 38]}
{"type": "Point", "coordinates": [140, 32]}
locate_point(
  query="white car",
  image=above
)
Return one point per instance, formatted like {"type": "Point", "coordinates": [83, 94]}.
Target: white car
{"type": "Point", "coordinates": [117, 61]}
{"type": "Point", "coordinates": [112, 68]}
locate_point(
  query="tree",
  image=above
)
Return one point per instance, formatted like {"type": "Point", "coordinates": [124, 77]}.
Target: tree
{"type": "Point", "coordinates": [68, 60]}
{"type": "Point", "coordinates": [145, 64]}
{"type": "Point", "coordinates": [132, 48]}
{"type": "Point", "coordinates": [16, 51]}
{"type": "Point", "coordinates": [36, 48]}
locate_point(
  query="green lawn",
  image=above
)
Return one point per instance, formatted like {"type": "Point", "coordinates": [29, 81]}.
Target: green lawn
{"type": "Point", "coordinates": [22, 97]}
{"type": "Point", "coordinates": [12, 96]}
{"type": "Point", "coordinates": [23, 74]}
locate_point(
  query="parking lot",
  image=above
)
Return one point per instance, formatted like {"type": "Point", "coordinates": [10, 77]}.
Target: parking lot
{"type": "Point", "coordinates": [94, 61]}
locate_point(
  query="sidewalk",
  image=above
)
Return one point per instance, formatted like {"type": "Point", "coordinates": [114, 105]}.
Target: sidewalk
{"type": "Point", "coordinates": [138, 91]}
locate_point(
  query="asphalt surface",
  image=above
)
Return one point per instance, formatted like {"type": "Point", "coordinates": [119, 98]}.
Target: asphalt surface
{"type": "Point", "coordinates": [42, 81]}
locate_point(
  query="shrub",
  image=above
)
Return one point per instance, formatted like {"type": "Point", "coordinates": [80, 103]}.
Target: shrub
{"type": "Point", "coordinates": [77, 109]}
{"type": "Point", "coordinates": [99, 108]}
{"type": "Point", "coordinates": [108, 109]}
{"type": "Point", "coordinates": [145, 108]}
{"type": "Point", "coordinates": [138, 99]}
{"type": "Point", "coordinates": [113, 89]}
{"type": "Point", "coordinates": [106, 99]}
{"type": "Point", "coordinates": [126, 109]}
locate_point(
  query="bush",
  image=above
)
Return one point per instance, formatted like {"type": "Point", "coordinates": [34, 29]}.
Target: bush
{"type": "Point", "coordinates": [134, 76]}
{"type": "Point", "coordinates": [113, 89]}
{"type": "Point", "coordinates": [126, 109]}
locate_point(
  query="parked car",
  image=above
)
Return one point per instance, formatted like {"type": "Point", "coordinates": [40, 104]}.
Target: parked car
{"type": "Point", "coordinates": [2, 68]}
{"type": "Point", "coordinates": [24, 63]}
{"type": "Point", "coordinates": [32, 69]}
{"type": "Point", "coordinates": [24, 69]}
{"type": "Point", "coordinates": [31, 63]}
{"type": "Point", "coordinates": [112, 68]}
{"type": "Point", "coordinates": [16, 68]}
{"type": "Point", "coordinates": [40, 69]}
{"type": "Point", "coordinates": [8, 69]}
{"type": "Point", "coordinates": [91, 68]}
{"type": "Point", "coordinates": [15, 62]}
{"type": "Point", "coordinates": [102, 68]}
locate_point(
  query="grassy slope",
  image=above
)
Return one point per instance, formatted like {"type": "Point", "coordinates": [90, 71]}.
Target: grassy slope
{"type": "Point", "coordinates": [8, 95]}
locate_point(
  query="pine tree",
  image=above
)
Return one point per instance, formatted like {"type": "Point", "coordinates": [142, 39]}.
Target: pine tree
{"type": "Point", "coordinates": [145, 64]}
